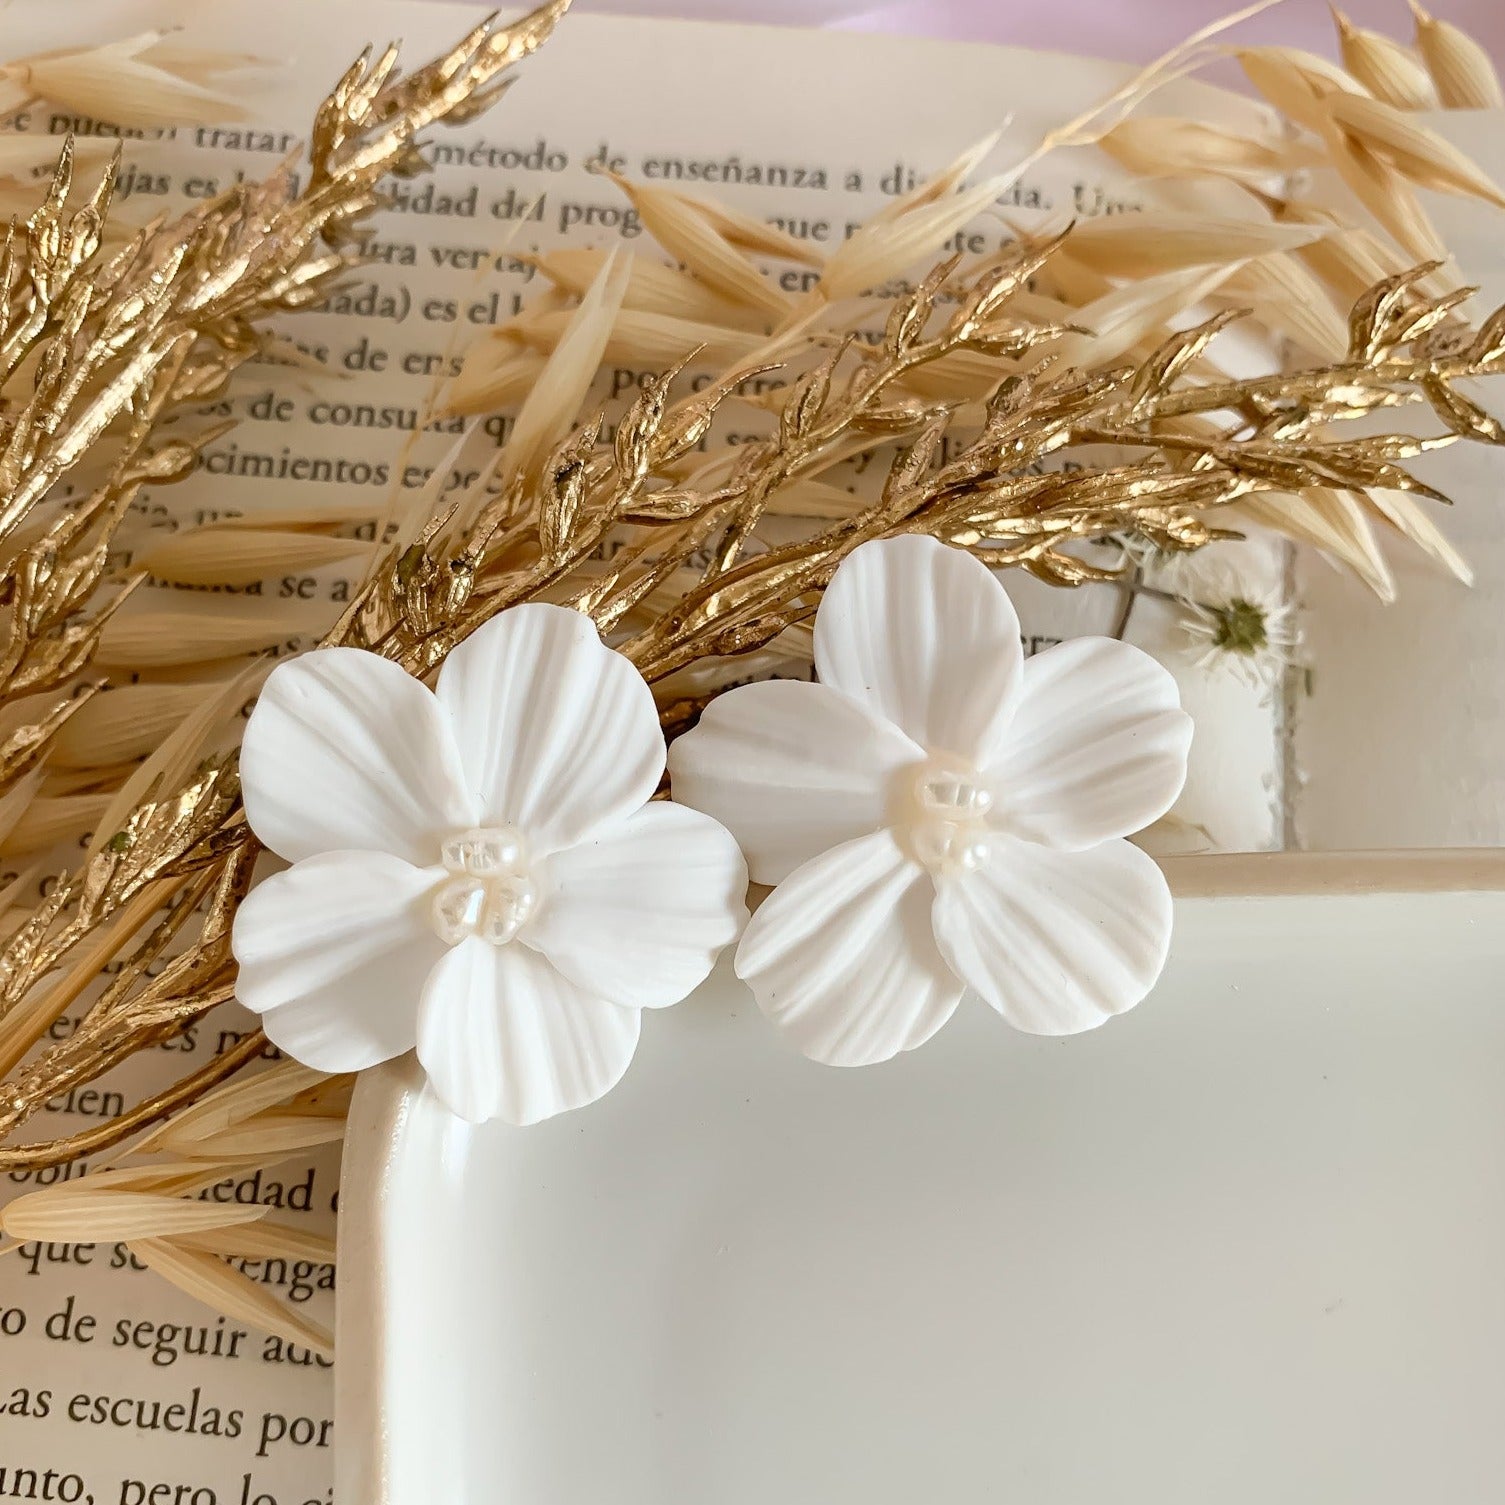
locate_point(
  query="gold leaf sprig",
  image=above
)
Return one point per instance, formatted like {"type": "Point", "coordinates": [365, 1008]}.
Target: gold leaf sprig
{"type": "Point", "coordinates": [1114, 293]}
{"type": "Point", "coordinates": [665, 565]}
{"type": "Point", "coordinates": [109, 347]}
{"type": "Point", "coordinates": [993, 495]}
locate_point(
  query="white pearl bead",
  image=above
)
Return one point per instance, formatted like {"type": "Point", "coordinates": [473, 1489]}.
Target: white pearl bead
{"type": "Point", "coordinates": [952, 795]}
{"type": "Point", "coordinates": [484, 851]}
{"type": "Point", "coordinates": [508, 907]}
{"type": "Point", "coordinates": [457, 909]}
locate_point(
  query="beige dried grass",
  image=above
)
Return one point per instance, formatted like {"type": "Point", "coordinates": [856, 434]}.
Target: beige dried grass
{"type": "Point", "coordinates": [179, 751]}
{"type": "Point", "coordinates": [1293, 303]}
{"type": "Point", "coordinates": [217, 555]}
{"type": "Point", "coordinates": [1390, 70]}
{"type": "Point", "coordinates": [261, 1240]}
{"type": "Point", "coordinates": [1293, 264]}
{"type": "Point", "coordinates": [1333, 523]}
{"type": "Point", "coordinates": [147, 80]}
{"type": "Point", "coordinates": [1418, 154]}
{"type": "Point", "coordinates": [59, 1214]}
{"type": "Point", "coordinates": [46, 821]}
{"type": "Point", "coordinates": [550, 408]}
{"type": "Point", "coordinates": [1295, 82]}
{"type": "Point", "coordinates": [684, 228]}
{"type": "Point", "coordinates": [232, 1106]}
{"type": "Point", "coordinates": [1384, 192]}
{"type": "Point", "coordinates": [883, 248]}
{"type": "Point", "coordinates": [1173, 147]}
{"type": "Point", "coordinates": [124, 724]}
{"type": "Point", "coordinates": [652, 288]}
{"type": "Point", "coordinates": [1128, 247]}
{"type": "Point", "coordinates": [644, 339]}
{"type": "Point", "coordinates": [207, 1278]}
{"type": "Point", "coordinates": [168, 636]}
{"type": "Point", "coordinates": [1461, 70]}
{"type": "Point", "coordinates": [155, 1205]}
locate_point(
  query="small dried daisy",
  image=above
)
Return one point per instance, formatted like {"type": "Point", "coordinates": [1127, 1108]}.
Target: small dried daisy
{"type": "Point", "coordinates": [1244, 630]}
{"type": "Point", "coordinates": [1167, 568]}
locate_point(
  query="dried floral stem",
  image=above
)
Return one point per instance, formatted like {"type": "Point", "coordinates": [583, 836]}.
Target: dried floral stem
{"type": "Point", "coordinates": [537, 537]}
{"type": "Point", "coordinates": [1294, 263]}
{"type": "Point", "coordinates": [1125, 280]}
{"type": "Point", "coordinates": [110, 345]}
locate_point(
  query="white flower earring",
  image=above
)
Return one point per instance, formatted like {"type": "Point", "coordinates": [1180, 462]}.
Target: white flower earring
{"type": "Point", "coordinates": [939, 812]}
{"type": "Point", "coordinates": [477, 871]}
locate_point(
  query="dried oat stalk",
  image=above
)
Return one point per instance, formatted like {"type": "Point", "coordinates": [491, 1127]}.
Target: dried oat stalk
{"type": "Point", "coordinates": [145, 81]}
{"type": "Point", "coordinates": [155, 1204]}
{"type": "Point", "coordinates": [1294, 259]}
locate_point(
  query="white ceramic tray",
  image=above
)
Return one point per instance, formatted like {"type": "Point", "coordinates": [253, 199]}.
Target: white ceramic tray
{"type": "Point", "coordinates": [1245, 1244]}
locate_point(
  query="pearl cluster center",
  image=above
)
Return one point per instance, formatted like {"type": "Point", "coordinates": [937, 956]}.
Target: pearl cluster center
{"type": "Point", "coordinates": [489, 893]}
{"type": "Point", "coordinates": [943, 817]}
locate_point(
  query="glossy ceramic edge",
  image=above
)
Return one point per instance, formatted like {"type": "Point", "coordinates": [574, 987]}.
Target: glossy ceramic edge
{"type": "Point", "coordinates": [365, 1311]}
{"type": "Point", "coordinates": [1248, 875]}
{"type": "Point", "coordinates": [378, 1112]}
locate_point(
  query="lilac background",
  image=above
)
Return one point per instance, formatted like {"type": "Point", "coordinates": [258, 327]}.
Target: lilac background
{"type": "Point", "coordinates": [1133, 30]}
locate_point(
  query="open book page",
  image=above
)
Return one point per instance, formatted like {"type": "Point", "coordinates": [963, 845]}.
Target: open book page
{"type": "Point", "coordinates": [817, 130]}
{"type": "Point", "coordinates": [1398, 743]}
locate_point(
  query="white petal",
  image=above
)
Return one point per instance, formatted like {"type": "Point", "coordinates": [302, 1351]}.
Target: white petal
{"type": "Point", "coordinates": [333, 954]}
{"type": "Point", "coordinates": [842, 959]}
{"type": "Point", "coordinates": [925, 637]}
{"type": "Point", "coordinates": [639, 913]}
{"type": "Point", "coordinates": [1097, 748]}
{"type": "Point", "coordinates": [502, 1034]}
{"type": "Point", "coordinates": [558, 733]}
{"type": "Point", "coordinates": [346, 752]}
{"type": "Point", "coordinates": [1057, 941]}
{"type": "Point", "coordinates": [791, 769]}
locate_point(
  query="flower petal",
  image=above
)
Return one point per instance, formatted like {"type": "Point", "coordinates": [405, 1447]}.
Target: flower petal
{"type": "Point", "coordinates": [346, 752]}
{"type": "Point", "coordinates": [639, 913]}
{"type": "Point", "coordinates": [503, 1034]}
{"type": "Point", "coordinates": [1057, 941]}
{"type": "Point", "coordinates": [791, 769]}
{"type": "Point", "coordinates": [333, 954]}
{"type": "Point", "coordinates": [842, 959]}
{"type": "Point", "coordinates": [1097, 748]}
{"type": "Point", "coordinates": [558, 733]}
{"type": "Point", "coordinates": [925, 637]}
